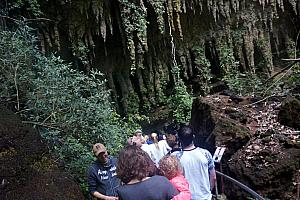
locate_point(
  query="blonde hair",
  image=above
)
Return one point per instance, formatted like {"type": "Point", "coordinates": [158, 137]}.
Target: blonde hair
{"type": "Point", "coordinates": [169, 166]}
{"type": "Point", "coordinates": [154, 138]}
{"type": "Point", "coordinates": [146, 137]}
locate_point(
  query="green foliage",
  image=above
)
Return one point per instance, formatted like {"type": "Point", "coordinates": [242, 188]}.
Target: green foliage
{"type": "Point", "coordinates": [80, 50]}
{"type": "Point", "coordinates": [78, 103]}
{"type": "Point", "coordinates": [180, 102]}
{"type": "Point", "coordinates": [294, 79]}
{"type": "Point", "coordinates": [32, 6]}
{"type": "Point", "coordinates": [158, 6]}
{"type": "Point", "coordinates": [243, 84]}
{"type": "Point", "coordinates": [135, 25]}
{"type": "Point", "coordinates": [73, 110]}
{"type": "Point", "coordinates": [203, 65]}
{"type": "Point", "coordinates": [16, 55]}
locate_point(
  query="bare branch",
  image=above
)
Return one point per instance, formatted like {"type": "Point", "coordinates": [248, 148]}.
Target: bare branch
{"type": "Point", "coordinates": [41, 124]}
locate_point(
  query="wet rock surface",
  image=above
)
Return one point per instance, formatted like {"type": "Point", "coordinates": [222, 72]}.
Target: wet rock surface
{"type": "Point", "coordinates": [214, 127]}
{"type": "Point", "coordinates": [260, 152]}
{"type": "Point", "coordinates": [26, 169]}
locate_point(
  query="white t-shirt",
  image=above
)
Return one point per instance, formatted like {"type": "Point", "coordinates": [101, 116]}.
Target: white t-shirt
{"type": "Point", "coordinates": [196, 164]}
{"type": "Point", "coordinates": [157, 153]}
{"type": "Point", "coordinates": [146, 148]}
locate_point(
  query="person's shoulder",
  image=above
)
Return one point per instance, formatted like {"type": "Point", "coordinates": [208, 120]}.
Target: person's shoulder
{"type": "Point", "coordinates": [93, 166]}
{"type": "Point", "coordinates": [145, 147]}
{"type": "Point", "coordinates": [151, 146]}
{"type": "Point", "coordinates": [179, 179]}
{"type": "Point", "coordinates": [176, 151]}
{"type": "Point", "coordinates": [159, 178]}
{"type": "Point", "coordinates": [94, 163]}
{"type": "Point", "coordinates": [205, 151]}
{"type": "Point", "coordinates": [162, 142]}
{"type": "Point", "coordinates": [113, 159]}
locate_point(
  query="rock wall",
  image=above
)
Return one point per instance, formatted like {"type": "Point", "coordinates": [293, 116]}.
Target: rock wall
{"type": "Point", "coordinates": [261, 152]}
{"type": "Point", "coordinates": [137, 43]}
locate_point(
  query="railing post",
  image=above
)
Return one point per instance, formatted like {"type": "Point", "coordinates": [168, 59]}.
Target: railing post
{"type": "Point", "coordinates": [217, 159]}
{"type": "Point", "coordinates": [241, 185]}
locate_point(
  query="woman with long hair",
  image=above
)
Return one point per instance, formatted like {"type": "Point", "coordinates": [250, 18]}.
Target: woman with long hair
{"type": "Point", "coordinates": [135, 168]}
{"type": "Point", "coordinates": [158, 148]}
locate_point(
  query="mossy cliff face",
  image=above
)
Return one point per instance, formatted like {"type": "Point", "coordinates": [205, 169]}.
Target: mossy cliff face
{"type": "Point", "coordinates": [136, 43]}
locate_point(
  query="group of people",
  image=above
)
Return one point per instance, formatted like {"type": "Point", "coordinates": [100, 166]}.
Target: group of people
{"type": "Point", "coordinates": [156, 148]}
{"type": "Point", "coordinates": [141, 173]}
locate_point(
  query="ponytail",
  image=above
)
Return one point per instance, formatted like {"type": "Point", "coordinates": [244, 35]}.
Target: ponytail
{"type": "Point", "coordinates": [154, 139]}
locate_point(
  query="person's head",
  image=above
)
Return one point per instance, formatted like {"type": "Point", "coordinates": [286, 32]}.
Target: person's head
{"type": "Point", "coordinates": [154, 138]}
{"type": "Point", "coordinates": [169, 166]}
{"type": "Point", "coordinates": [138, 141]}
{"type": "Point", "coordinates": [171, 140]}
{"type": "Point", "coordinates": [146, 137]}
{"type": "Point", "coordinates": [129, 141]}
{"type": "Point", "coordinates": [133, 163]}
{"type": "Point", "coordinates": [185, 135]}
{"type": "Point", "coordinates": [138, 133]}
{"type": "Point", "coordinates": [100, 152]}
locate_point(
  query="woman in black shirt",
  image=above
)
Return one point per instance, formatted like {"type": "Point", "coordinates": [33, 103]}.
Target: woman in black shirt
{"type": "Point", "coordinates": [135, 168]}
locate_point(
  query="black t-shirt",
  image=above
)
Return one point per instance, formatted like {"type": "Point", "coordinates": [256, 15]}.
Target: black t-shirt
{"type": "Point", "coordinates": [153, 188]}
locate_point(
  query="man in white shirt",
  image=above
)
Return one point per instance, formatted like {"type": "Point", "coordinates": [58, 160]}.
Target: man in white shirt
{"type": "Point", "coordinates": [198, 166]}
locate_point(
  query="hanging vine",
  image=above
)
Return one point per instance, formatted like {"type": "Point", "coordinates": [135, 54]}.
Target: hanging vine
{"type": "Point", "coordinates": [135, 24]}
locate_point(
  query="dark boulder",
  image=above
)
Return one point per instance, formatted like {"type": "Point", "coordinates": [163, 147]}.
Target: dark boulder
{"type": "Point", "coordinates": [269, 170]}
{"type": "Point", "coordinates": [289, 113]}
{"type": "Point", "coordinates": [213, 127]}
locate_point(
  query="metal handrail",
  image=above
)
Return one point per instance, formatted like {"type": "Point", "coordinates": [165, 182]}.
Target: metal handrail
{"type": "Point", "coordinates": [252, 192]}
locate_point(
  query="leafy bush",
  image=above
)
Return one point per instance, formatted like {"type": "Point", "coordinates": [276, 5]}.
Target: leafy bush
{"type": "Point", "coordinates": [180, 101]}
{"type": "Point", "coordinates": [73, 110]}
{"type": "Point", "coordinates": [294, 78]}
{"type": "Point", "coordinates": [16, 56]}
{"type": "Point", "coordinates": [76, 106]}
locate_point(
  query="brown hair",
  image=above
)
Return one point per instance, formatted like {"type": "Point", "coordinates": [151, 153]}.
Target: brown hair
{"type": "Point", "coordinates": [133, 162]}
{"type": "Point", "coordinates": [169, 166]}
{"type": "Point", "coordinates": [171, 140]}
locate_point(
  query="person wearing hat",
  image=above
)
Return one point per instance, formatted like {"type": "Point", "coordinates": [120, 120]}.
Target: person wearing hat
{"type": "Point", "coordinates": [102, 176]}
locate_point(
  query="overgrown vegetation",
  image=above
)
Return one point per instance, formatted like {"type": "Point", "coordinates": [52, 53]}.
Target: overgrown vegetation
{"type": "Point", "coordinates": [242, 83]}
{"type": "Point", "coordinates": [32, 6]}
{"type": "Point", "coordinates": [247, 83]}
{"type": "Point", "coordinates": [204, 67]}
{"type": "Point", "coordinates": [71, 109]}
{"type": "Point", "coordinates": [180, 102]}
{"type": "Point", "coordinates": [16, 56]}
{"type": "Point", "coordinates": [135, 25]}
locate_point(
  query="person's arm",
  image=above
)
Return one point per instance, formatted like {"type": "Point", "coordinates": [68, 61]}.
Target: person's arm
{"type": "Point", "coordinates": [211, 170]}
{"type": "Point", "coordinates": [182, 186]}
{"type": "Point", "coordinates": [92, 183]}
{"type": "Point", "coordinates": [102, 196]}
{"type": "Point", "coordinates": [212, 178]}
{"type": "Point", "coordinates": [167, 186]}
